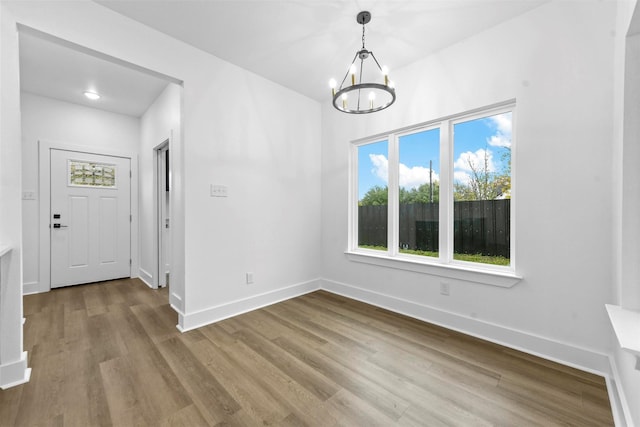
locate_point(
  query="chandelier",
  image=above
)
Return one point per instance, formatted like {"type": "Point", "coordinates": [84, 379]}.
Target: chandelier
{"type": "Point", "coordinates": [371, 90]}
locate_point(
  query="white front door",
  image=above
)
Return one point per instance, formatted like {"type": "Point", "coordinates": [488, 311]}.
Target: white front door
{"type": "Point", "coordinates": [90, 217]}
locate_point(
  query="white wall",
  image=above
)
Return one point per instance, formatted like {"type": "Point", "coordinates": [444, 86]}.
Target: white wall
{"type": "Point", "coordinates": [556, 61]}
{"type": "Point", "coordinates": [13, 361]}
{"type": "Point", "coordinates": [259, 139]}
{"type": "Point", "coordinates": [47, 119]}
{"type": "Point", "coordinates": [160, 122]}
{"type": "Point", "coordinates": [262, 142]}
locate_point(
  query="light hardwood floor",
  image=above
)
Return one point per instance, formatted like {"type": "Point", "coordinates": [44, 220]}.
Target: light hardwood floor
{"type": "Point", "coordinates": [109, 354]}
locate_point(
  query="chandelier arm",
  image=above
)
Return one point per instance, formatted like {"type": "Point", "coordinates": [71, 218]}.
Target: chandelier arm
{"type": "Point", "coordinates": [377, 63]}
{"type": "Point", "coordinates": [361, 68]}
{"type": "Point", "coordinates": [348, 69]}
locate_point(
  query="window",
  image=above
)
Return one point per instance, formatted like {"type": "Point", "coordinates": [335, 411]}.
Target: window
{"type": "Point", "coordinates": [437, 194]}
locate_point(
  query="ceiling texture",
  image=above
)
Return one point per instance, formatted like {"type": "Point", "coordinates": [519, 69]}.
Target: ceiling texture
{"type": "Point", "coordinates": [299, 44]}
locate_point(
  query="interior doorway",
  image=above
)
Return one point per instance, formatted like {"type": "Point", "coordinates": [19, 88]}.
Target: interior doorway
{"type": "Point", "coordinates": [163, 209]}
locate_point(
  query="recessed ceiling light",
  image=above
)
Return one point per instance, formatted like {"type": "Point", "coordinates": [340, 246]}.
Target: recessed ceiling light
{"type": "Point", "coordinates": [91, 95]}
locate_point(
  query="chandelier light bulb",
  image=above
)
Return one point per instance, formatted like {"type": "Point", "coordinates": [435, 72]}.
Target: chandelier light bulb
{"type": "Point", "coordinates": [344, 100]}
{"type": "Point", "coordinates": [385, 73]}
{"type": "Point", "coordinates": [372, 97]}
{"type": "Point", "coordinates": [332, 85]}
{"type": "Point", "coordinates": [352, 71]}
{"type": "Point", "coordinates": [91, 95]}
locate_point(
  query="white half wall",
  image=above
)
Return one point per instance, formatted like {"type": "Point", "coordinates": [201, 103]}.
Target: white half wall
{"type": "Point", "coordinates": [51, 120]}
{"type": "Point", "coordinates": [626, 207]}
{"type": "Point", "coordinates": [13, 361]}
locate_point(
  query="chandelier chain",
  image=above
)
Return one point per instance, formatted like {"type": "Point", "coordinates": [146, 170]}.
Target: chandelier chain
{"type": "Point", "coordinates": [362, 36]}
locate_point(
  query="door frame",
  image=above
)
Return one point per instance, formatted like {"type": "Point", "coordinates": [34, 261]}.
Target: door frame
{"type": "Point", "coordinates": [44, 191]}
{"type": "Point", "coordinates": [157, 225]}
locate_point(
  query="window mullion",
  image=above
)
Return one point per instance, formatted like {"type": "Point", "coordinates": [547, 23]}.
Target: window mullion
{"type": "Point", "coordinates": [445, 213]}
{"type": "Point", "coordinates": [393, 196]}
{"type": "Point", "coordinates": [353, 198]}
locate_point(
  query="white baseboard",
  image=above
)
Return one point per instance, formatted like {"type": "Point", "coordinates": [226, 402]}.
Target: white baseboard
{"type": "Point", "coordinates": [619, 403]}
{"type": "Point", "coordinates": [577, 357]}
{"type": "Point", "coordinates": [175, 301]}
{"type": "Point", "coordinates": [189, 321]}
{"type": "Point", "coordinates": [30, 288]}
{"type": "Point", "coordinates": [15, 373]}
{"type": "Point", "coordinates": [146, 277]}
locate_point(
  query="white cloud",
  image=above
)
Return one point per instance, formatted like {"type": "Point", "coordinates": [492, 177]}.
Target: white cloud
{"type": "Point", "coordinates": [469, 161]}
{"type": "Point", "coordinates": [416, 176]}
{"type": "Point", "coordinates": [503, 124]}
{"type": "Point", "coordinates": [461, 177]}
{"type": "Point", "coordinates": [409, 177]}
{"type": "Point", "coordinates": [380, 166]}
{"type": "Point", "coordinates": [499, 140]}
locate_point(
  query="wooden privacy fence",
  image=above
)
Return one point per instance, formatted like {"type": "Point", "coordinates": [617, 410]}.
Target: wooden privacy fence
{"type": "Point", "coordinates": [479, 227]}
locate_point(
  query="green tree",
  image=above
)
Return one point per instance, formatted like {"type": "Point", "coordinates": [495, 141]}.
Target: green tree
{"type": "Point", "coordinates": [422, 194]}
{"type": "Point", "coordinates": [376, 196]}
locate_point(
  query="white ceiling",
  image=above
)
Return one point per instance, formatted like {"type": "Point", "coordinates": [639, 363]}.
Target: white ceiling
{"type": "Point", "coordinates": [299, 44]}
{"type": "Point", "coordinates": [56, 69]}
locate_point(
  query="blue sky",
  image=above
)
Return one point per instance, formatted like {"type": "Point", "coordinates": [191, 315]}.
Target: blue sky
{"type": "Point", "coordinates": [471, 140]}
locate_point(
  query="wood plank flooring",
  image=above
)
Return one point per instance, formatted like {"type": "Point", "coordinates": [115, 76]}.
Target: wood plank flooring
{"type": "Point", "coordinates": [109, 354]}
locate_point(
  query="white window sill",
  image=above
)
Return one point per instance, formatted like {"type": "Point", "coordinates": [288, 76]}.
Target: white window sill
{"type": "Point", "coordinates": [626, 324]}
{"type": "Point", "coordinates": [502, 277]}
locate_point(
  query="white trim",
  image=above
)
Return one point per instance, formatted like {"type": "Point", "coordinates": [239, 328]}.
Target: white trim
{"type": "Point", "coordinates": [30, 288]}
{"type": "Point", "coordinates": [578, 357]}
{"type": "Point", "coordinates": [15, 373]}
{"type": "Point", "coordinates": [146, 277]}
{"type": "Point", "coordinates": [458, 271]}
{"type": "Point", "coordinates": [393, 197]}
{"type": "Point", "coordinates": [619, 403]}
{"type": "Point", "coordinates": [626, 324]}
{"type": "Point", "coordinates": [445, 205]}
{"type": "Point", "coordinates": [44, 191]}
{"type": "Point", "coordinates": [155, 248]}
{"type": "Point", "coordinates": [189, 321]}
{"type": "Point", "coordinates": [175, 301]}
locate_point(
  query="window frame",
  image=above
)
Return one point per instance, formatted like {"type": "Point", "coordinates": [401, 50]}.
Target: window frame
{"type": "Point", "coordinates": [444, 265]}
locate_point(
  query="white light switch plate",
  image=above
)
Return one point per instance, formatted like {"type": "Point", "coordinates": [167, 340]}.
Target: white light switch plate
{"type": "Point", "coordinates": [28, 195]}
{"type": "Point", "coordinates": [219, 190]}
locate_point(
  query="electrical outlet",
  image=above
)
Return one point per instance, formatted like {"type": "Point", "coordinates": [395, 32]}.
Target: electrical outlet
{"type": "Point", "coordinates": [444, 288]}
{"type": "Point", "coordinates": [249, 278]}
